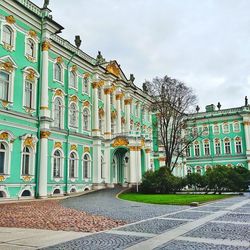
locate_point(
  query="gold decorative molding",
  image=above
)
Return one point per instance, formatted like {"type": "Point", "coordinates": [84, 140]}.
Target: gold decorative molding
{"type": "Point", "coordinates": [5, 103]}
{"type": "Point", "coordinates": [143, 142]}
{"type": "Point", "coordinates": [7, 66]}
{"type": "Point", "coordinates": [101, 112]}
{"type": "Point", "coordinates": [95, 130]}
{"type": "Point", "coordinates": [134, 148]}
{"type": "Point", "coordinates": [27, 178]}
{"type": "Point", "coordinates": [108, 91]}
{"type": "Point", "coordinates": [128, 101]}
{"type": "Point", "coordinates": [59, 60]}
{"type": "Point", "coordinates": [73, 98]}
{"type": "Point", "coordinates": [29, 142]}
{"type": "Point", "coordinates": [148, 150]}
{"type": "Point", "coordinates": [86, 150]}
{"type": "Point", "coordinates": [10, 19]}
{"type": "Point", "coordinates": [32, 34]}
{"type": "Point", "coordinates": [113, 88]}
{"type": "Point", "coordinates": [246, 123]}
{"type": "Point", "coordinates": [30, 75]}
{"type": "Point", "coordinates": [86, 75]}
{"type": "Point", "coordinates": [113, 68]}
{"type": "Point", "coordinates": [45, 134]}
{"type": "Point", "coordinates": [74, 68]}
{"type": "Point", "coordinates": [119, 96]}
{"type": "Point", "coordinates": [73, 147]}
{"type": "Point", "coordinates": [4, 136]}
{"type": "Point", "coordinates": [44, 108]}
{"type": "Point", "coordinates": [97, 84]}
{"type": "Point", "coordinates": [59, 92]}
{"type": "Point", "coordinates": [108, 133]}
{"type": "Point", "coordinates": [46, 46]}
{"type": "Point", "coordinates": [2, 178]}
{"type": "Point", "coordinates": [120, 141]}
{"type": "Point", "coordinates": [86, 104]}
{"type": "Point", "coordinates": [237, 138]}
{"type": "Point", "coordinates": [58, 144]}
{"type": "Point", "coordinates": [162, 158]}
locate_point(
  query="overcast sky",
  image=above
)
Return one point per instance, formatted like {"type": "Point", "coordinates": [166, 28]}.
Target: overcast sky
{"type": "Point", "coordinates": [203, 43]}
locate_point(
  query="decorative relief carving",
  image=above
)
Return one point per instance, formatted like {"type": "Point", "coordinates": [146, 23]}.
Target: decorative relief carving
{"type": "Point", "coordinates": [246, 123]}
{"type": "Point", "coordinates": [128, 101]}
{"type": "Point", "coordinates": [2, 178]}
{"type": "Point", "coordinates": [59, 92]}
{"type": "Point", "coordinates": [7, 66]}
{"type": "Point", "coordinates": [86, 104]}
{"type": "Point", "coordinates": [5, 104]}
{"type": "Point", "coordinates": [86, 150]}
{"type": "Point", "coordinates": [45, 134]}
{"type": "Point", "coordinates": [119, 96]}
{"type": "Point", "coordinates": [32, 34]}
{"type": "Point", "coordinates": [46, 46]}
{"type": "Point", "coordinates": [113, 114]}
{"type": "Point", "coordinates": [73, 98]}
{"type": "Point", "coordinates": [27, 178]}
{"type": "Point", "coordinates": [147, 150]}
{"type": "Point", "coordinates": [134, 148]}
{"type": "Point", "coordinates": [73, 147]}
{"type": "Point", "coordinates": [97, 84]}
{"type": "Point", "coordinates": [30, 75]}
{"type": "Point", "coordinates": [86, 75]}
{"type": "Point", "coordinates": [143, 142]}
{"type": "Point", "coordinates": [59, 60]}
{"type": "Point", "coordinates": [10, 19]}
{"type": "Point", "coordinates": [29, 142]}
{"type": "Point", "coordinates": [4, 136]}
{"type": "Point", "coordinates": [120, 141]}
{"type": "Point", "coordinates": [74, 68]}
{"type": "Point", "coordinates": [58, 144]}
{"type": "Point", "coordinates": [113, 68]}
{"type": "Point", "coordinates": [107, 91]}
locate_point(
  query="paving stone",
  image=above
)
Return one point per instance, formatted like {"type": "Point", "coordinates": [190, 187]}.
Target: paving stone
{"type": "Point", "coordinates": [235, 217]}
{"type": "Point", "coordinates": [187, 245]}
{"type": "Point", "coordinates": [104, 203]}
{"type": "Point", "coordinates": [155, 226]}
{"type": "Point", "coordinates": [221, 231]}
{"type": "Point", "coordinates": [188, 215]}
{"type": "Point", "coordinates": [242, 210]}
{"type": "Point", "coordinates": [101, 241]}
{"type": "Point", "coordinates": [208, 208]}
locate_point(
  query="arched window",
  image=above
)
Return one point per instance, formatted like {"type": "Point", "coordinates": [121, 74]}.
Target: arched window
{"type": "Point", "coordinates": [57, 164]}
{"type": "Point", "coordinates": [238, 145]}
{"type": "Point", "coordinates": [4, 85]}
{"type": "Point", "coordinates": [225, 127]}
{"type": "Point", "coordinates": [58, 113]}
{"type": "Point", "coordinates": [236, 126]}
{"type": "Point", "coordinates": [26, 164]}
{"type": "Point", "coordinates": [29, 94]}
{"type": "Point", "coordinates": [189, 171]}
{"type": "Point", "coordinates": [216, 129]}
{"type": "Point", "coordinates": [86, 119]}
{"type": "Point", "coordinates": [72, 165]}
{"type": "Point", "coordinates": [86, 85]}
{"type": "Point", "coordinates": [73, 79]}
{"type": "Point", "coordinates": [196, 149]}
{"type": "Point", "coordinates": [58, 72]}
{"type": "Point", "coordinates": [3, 156]}
{"type": "Point", "coordinates": [7, 35]}
{"type": "Point", "coordinates": [206, 147]}
{"type": "Point", "coordinates": [217, 147]}
{"type": "Point", "coordinates": [30, 48]}
{"type": "Point", "coordinates": [73, 119]}
{"type": "Point", "coordinates": [86, 166]}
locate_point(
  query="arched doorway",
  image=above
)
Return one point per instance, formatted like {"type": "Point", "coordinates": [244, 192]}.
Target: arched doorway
{"type": "Point", "coordinates": [119, 169]}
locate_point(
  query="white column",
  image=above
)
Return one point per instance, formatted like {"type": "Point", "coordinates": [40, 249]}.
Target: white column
{"type": "Point", "coordinates": [42, 186]}
{"type": "Point", "coordinates": [108, 161]}
{"type": "Point", "coordinates": [95, 129]}
{"type": "Point", "coordinates": [127, 114]}
{"type": "Point", "coordinates": [97, 153]}
{"type": "Point", "coordinates": [148, 151]}
{"type": "Point", "coordinates": [107, 133]}
{"type": "Point", "coordinates": [119, 114]}
{"type": "Point", "coordinates": [246, 122]}
{"type": "Point", "coordinates": [132, 166]}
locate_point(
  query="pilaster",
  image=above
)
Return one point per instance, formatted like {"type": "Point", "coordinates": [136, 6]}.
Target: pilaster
{"type": "Point", "coordinates": [107, 92]}
{"type": "Point", "coordinates": [95, 111]}
{"type": "Point", "coordinates": [127, 102]}
{"type": "Point", "coordinates": [97, 153]}
{"type": "Point", "coordinates": [118, 107]}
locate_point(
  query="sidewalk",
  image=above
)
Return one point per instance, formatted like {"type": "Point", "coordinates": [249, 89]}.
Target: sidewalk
{"type": "Point", "coordinates": [16, 238]}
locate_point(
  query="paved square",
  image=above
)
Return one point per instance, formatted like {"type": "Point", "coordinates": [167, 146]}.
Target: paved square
{"type": "Point", "coordinates": [188, 215]}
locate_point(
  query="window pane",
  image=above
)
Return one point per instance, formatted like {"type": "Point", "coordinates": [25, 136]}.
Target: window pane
{"type": "Point", "coordinates": [30, 48]}
{"type": "Point", "coordinates": [4, 85]}
{"type": "Point", "coordinates": [28, 94]}
{"type": "Point", "coordinates": [2, 161]}
{"type": "Point", "coordinates": [7, 35]}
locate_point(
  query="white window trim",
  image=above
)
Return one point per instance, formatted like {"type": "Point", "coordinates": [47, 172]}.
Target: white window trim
{"type": "Point", "coordinates": [199, 150]}
{"type": "Point", "coordinates": [53, 113]}
{"type": "Point", "coordinates": [63, 68]}
{"type": "Point", "coordinates": [224, 141]}
{"type": "Point", "coordinates": [89, 119]}
{"type": "Point", "coordinates": [34, 99]}
{"type": "Point", "coordinates": [77, 166]}
{"type": "Point", "coordinates": [209, 148]}
{"type": "Point", "coordinates": [215, 147]}
{"type": "Point", "coordinates": [32, 59]}
{"type": "Point", "coordinates": [216, 133]}
{"type": "Point", "coordinates": [89, 167]}
{"type": "Point", "coordinates": [57, 179]}
{"type": "Point", "coordinates": [7, 157]}
{"type": "Point", "coordinates": [237, 131]}
{"type": "Point", "coordinates": [235, 150]}
{"type": "Point", "coordinates": [77, 117]}
{"type": "Point", "coordinates": [224, 132]}
{"type": "Point", "coordinates": [77, 77]}
{"type": "Point", "coordinates": [13, 28]}
{"type": "Point", "coordinates": [88, 86]}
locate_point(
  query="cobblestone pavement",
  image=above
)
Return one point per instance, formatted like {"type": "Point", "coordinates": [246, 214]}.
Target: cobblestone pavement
{"type": "Point", "coordinates": [219, 225]}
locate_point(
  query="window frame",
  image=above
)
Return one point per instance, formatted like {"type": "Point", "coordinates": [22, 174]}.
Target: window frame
{"type": "Point", "coordinates": [88, 119]}
{"type": "Point", "coordinates": [76, 159]}
{"type": "Point", "coordinates": [71, 125]}
{"type": "Point", "coordinates": [61, 162]}
{"type": "Point", "coordinates": [86, 169]}
{"type": "Point", "coordinates": [10, 47]}
{"type": "Point", "coordinates": [61, 122]}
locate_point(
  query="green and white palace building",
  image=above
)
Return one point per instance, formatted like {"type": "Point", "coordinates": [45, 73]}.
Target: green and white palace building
{"type": "Point", "coordinates": [223, 138]}
{"type": "Point", "coordinates": [68, 122]}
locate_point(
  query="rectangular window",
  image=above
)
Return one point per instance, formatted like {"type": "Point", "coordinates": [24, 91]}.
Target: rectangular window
{"type": "Point", "coordinates": [28, 94]}
{"type": "Point", "coordinates": [206, 149]}
{"type": "Point", "coordinates": [4, 85]}
{"type": "Point", "coordinates": [216, 129]}
{"type": "Point", "coordinates": [217, 148]}
{"type": "Point", "coordinates": [205, 130]}
{"type": "Point", "coordinates": [197, 150]}
{"type": "Point", "coordinates": [238, 147]}
{"type": "Point", "coordinates": [2, 161]}
{"type": "Point", "coordinates": [227, 148]}
{"type": "Point", "coordinates": [188, 151]}
{"type": "Point", "coordinates": [225, 128]}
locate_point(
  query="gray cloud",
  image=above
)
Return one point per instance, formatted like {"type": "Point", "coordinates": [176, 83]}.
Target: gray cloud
{"type": "Point", "coordinates": [204, 43]}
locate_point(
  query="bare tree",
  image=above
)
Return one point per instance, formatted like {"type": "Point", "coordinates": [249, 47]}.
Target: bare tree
{"type": "Point", "coordinates": [173, 101]}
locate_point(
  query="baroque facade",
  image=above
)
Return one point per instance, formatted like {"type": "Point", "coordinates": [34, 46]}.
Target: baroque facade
{"type": "Point", "coordinates": [223, 138]}
{"type": "Point", "coordinates": [68, 122]}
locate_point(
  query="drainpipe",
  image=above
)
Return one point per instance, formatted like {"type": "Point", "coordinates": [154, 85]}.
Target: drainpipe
{"type": "Point", "coordinates": [77, 43]}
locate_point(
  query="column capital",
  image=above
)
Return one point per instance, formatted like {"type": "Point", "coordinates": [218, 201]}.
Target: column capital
{"type": "Point", "coordinates": [147, 150]}
{"type": "Point", "coordinates": [128, 101]}
{"type": "Point", "coordinates": [108, 91]}
{"type": "Point", "coordinates": [98, 84]}
{"type": "Point", "coordinates": [45, 134]}
{"type": "Point", "coordinates": [119, 96]}
{"type": "Point", "coordinates": [46, 46]}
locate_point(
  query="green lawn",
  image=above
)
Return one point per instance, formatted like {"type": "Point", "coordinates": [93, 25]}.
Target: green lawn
{"type": "Point", "coordinates": [172, 199]}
